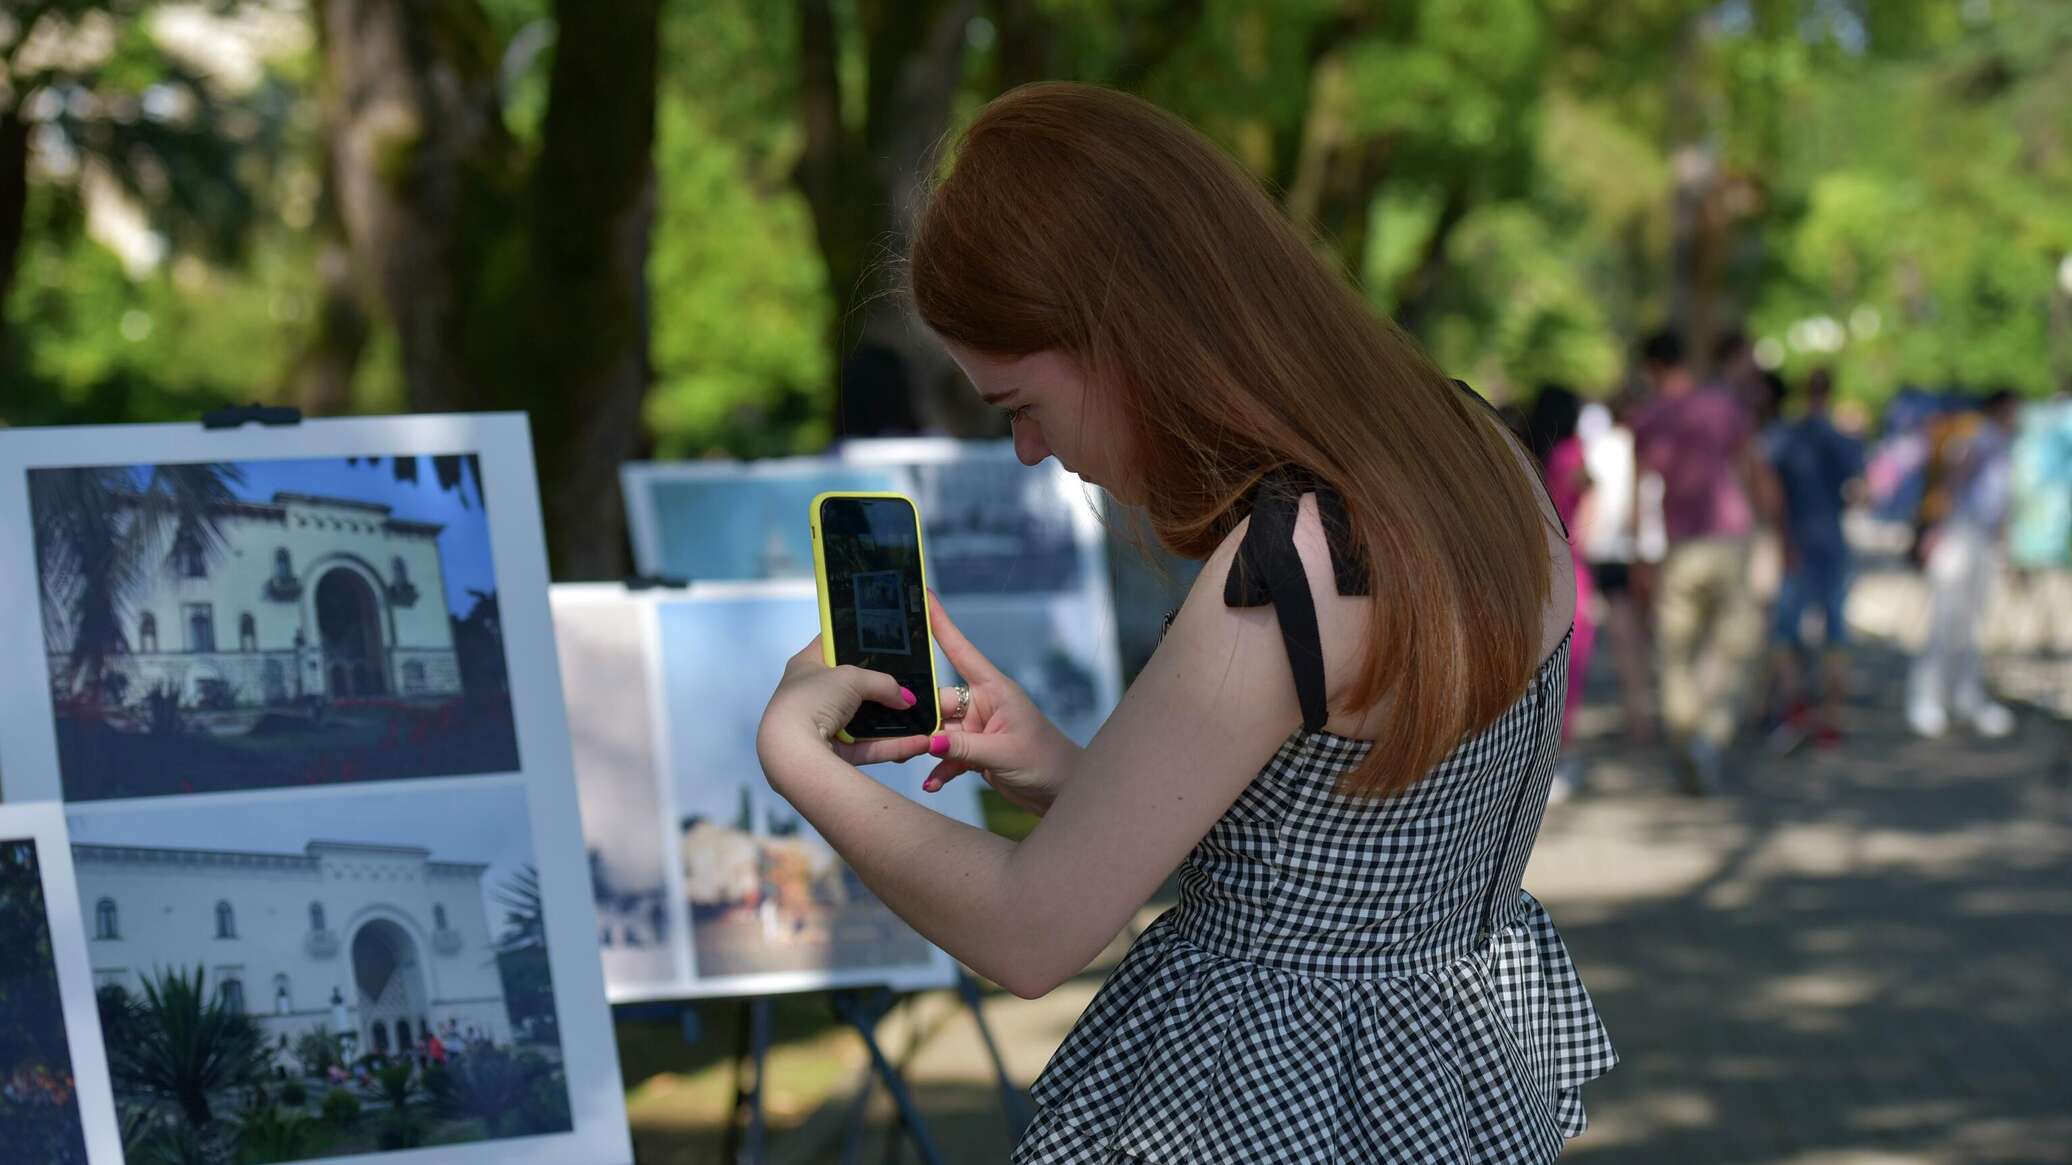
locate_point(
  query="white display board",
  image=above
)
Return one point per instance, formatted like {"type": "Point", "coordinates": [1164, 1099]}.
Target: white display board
{"type": "Point", "coordinates": [706, 882]}
{"type": "Point", "coordinates": [55, 1103]}
{"type": "Point", "coordinates": [297, 689]}
{"type": "Point", "coordinates": [1016, 552]}
{"type": "Point", "coordinates": [1018, 555]}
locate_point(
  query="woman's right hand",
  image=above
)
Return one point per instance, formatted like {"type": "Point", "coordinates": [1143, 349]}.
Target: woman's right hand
{"type": "Point", "coordinates": [1001, 736]}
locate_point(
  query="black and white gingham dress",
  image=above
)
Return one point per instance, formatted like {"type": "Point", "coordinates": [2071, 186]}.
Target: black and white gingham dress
{"type": "Point", "coordinates": [1345, 981]}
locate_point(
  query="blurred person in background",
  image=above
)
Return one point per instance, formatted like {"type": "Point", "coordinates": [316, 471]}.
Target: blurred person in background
{"type": "Point", "coordinates": [1766, 544]}
{"type": "Point", "coordinates": [1709, 631]}
{"type": "Point", "coordinates": [1946, 433]}
{"type": "Point", "coordinates": [1735, 370]}
{"type": "Point", "coordinates": [2039, 526]}
{"type": "Point", "coordinates": [1550, 432]}
{"type": "Point", "coordinates": [1963, 554]}
{"type": "Point", "coordinates": [1618, 544]}
{"type": "Point", "coordinates": [1816, 467]}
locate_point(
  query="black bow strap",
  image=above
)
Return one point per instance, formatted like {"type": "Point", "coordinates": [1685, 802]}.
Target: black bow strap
{"type": "Point", "coordinates": [1269, 570]}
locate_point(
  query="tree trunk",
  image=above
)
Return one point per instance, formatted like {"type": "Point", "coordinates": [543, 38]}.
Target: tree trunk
{"type": "Point", "coordinates": [592, 209]}
{"type": "Point", "coordinates": [506, 290]}
{"type": "Point", "coordinates": [861, 186]}
{"type": "Point", "coordinates": [14, 205]}
{"type": "Point", "coordinates": [1694, 163]}
{"type": "Point", "coordinates": [412, 107]}
{"type": "Point", "coordinates": [1418, 289]}
{"type": "Point", "coordinates": [322, 380]}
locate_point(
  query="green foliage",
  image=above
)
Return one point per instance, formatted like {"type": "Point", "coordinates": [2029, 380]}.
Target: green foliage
{"type": "Point", "coordinates": [1498, 173]}
{"type": "Point", "coordinates": [152, 1141]}
{"type": "Point", "coordinates": [341, 1108]}
{"type": "Point", "coordinates": [268, 1135]}
{"type": "Point", "coordinates": [294, 1095]}
{"type": "Point", "coordinates": [510, 1093]}
{"type": "Point", "coordinates": [394, 1081]}
{"type": "Point", "coordinates": [740, 301]}
{"type": "Point", "coordinates": [318, 1051]}
{"type": "Point", "coordinates": [184, 1044]}
{"type": "Point", "coordinates": [545, 1107]}
{"type": "Point", "coordinates": [400, 1130]}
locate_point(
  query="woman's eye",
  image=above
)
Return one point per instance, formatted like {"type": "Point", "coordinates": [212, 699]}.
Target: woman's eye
{"type": "Point", "coordinates": [1016, 414]}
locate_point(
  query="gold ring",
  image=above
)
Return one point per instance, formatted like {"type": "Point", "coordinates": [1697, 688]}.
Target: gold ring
{"type": "Point", "coordinates": [963, 700]}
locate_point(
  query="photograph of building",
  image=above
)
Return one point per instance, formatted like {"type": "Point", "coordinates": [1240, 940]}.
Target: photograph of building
{"type": "Point", "coordinates": [1056, 648]}
{"type": "Point", "coordinates": [734, 521]}
{"type": "Point", "coordinates": [239, 625]}
{"type": "Point", "coordinates": [995, 526]}
{"type": "Point", "coordinates": [39, 1101]}
{"type": "Point", "coordinates": [601, 634]}
{"type": "Point", "coordinates": [377, 925]}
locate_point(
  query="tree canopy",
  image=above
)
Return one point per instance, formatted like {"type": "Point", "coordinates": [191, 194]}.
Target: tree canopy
{"type": "Point", "coordinates": [661, 227]}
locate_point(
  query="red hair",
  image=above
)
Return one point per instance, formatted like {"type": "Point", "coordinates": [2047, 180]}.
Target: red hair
{"type": "Point", "coordinates": [1091, 222]}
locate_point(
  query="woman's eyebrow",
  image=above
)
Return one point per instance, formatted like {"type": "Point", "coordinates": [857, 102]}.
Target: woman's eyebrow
{"type": "Point", "coordinates": [994, 398]}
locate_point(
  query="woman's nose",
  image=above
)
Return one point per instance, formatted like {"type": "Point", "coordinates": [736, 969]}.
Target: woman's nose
{"type": "Point", "coordinates": [1029, 444]}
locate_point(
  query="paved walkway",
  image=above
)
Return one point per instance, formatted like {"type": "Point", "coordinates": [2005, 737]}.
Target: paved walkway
{"type": "Point", "coordinates": [1858, 957]}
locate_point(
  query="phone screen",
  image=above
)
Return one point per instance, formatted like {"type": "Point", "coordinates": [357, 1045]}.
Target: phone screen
{"type": "Point", "coordinates": [878, 607]}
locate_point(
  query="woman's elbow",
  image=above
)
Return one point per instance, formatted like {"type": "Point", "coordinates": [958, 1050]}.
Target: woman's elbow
{"type": "Point", "coordinates": [1033, 974]}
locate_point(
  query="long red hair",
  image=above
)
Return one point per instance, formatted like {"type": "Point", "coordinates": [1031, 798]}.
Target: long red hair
{"type": "Point", "coordinates": [1081, 219]}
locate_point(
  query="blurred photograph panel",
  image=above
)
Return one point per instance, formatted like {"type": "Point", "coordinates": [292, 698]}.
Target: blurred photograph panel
{"type": "Point", "coordinates": [605, 635]}
{"type": "Point", "coordinates": [771, 907]}
{"type": "Point", "coordinates": [993, 525]}
{"type": "Point", "coordinates": [735, 521]}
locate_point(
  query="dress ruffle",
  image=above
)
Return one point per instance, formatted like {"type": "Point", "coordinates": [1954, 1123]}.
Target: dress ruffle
{"type": "Point", "coordinates": [1188, 1057]}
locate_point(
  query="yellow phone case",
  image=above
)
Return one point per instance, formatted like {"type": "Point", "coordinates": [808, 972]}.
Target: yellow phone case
{"type": "Point", "coordinates": [820, 587]}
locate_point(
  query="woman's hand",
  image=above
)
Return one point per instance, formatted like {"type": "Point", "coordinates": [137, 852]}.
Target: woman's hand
{"type": "Point", "coordinates": [1001, 736]}
{"type": "Point", "coordinates": [814, 701]}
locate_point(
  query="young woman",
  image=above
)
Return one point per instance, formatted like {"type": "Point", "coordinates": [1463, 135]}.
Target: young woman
{"type": "Point", "coordinates": [1344, 741]}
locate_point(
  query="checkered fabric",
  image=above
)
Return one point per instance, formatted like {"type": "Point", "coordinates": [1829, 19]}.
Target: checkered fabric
{"type": "Point", "coordinates": [1345, 980]}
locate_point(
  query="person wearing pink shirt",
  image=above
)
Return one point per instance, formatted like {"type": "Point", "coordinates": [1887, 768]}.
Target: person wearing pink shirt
{"type": "Point", "coordinates": [1701, 440]}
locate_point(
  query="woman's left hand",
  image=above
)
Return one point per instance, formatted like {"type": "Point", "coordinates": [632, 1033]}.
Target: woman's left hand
{"type": "Point", "coordinates": [814, 701]}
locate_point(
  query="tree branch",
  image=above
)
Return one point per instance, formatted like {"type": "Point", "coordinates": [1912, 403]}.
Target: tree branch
{"type": "Point", "coordinates": [1417, 288]}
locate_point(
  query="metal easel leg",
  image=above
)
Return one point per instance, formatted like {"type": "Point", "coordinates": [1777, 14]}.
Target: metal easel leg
{"type": "Point", "coordinates": [862, 1012]}
{"type": "Point", "coordinates": [751, 1056]}
{"type": "Point", "coordinates": [1012, 1102]}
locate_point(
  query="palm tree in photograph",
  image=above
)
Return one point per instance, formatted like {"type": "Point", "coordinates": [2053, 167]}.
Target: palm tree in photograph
{"type": "Point", "coordinates": [184, 1043]}
{"type": "Point", "coordinates": [95, 530]}
{"type": "Point", "coordinates": [521, 954]}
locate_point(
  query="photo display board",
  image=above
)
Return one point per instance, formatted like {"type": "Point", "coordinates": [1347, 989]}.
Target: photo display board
{"type": "Point", "coordinates": [1018, 556]}
{"type": "Point", "coordinates": [1016, 552]}
{"type": "Point", "coordinates": [296, 688]}
{"type": "Point", "coordinates": [707, 883]}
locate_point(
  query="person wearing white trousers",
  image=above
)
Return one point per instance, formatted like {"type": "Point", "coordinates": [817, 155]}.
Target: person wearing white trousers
{"type": "Point", "coordinates": [1948, 677]}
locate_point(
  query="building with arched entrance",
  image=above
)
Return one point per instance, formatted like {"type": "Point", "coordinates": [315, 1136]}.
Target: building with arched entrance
{"type": "Point", "coordinates": [402, 939]}
{"type": "Point", "coordinates": [305, 596]}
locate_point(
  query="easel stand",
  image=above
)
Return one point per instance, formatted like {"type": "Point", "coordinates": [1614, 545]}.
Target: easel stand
{"type": "Point", "coordinates": [862, 1009]}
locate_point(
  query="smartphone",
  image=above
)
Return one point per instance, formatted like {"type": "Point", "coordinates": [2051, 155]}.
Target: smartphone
{"type": "Point", "coordinates": [873, 585]}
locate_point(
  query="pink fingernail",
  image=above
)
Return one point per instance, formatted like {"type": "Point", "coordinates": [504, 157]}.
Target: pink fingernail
{"type": "Point", "coordinates": [907, 696]}
{"type": "Point", "coordinates": [928, 786]}
{"type": "Point", "coordinates": [939, 745]}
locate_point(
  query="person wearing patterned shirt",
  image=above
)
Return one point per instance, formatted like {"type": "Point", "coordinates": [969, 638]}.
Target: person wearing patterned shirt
{"type": "Point", "coordinates": [1343, 743]}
